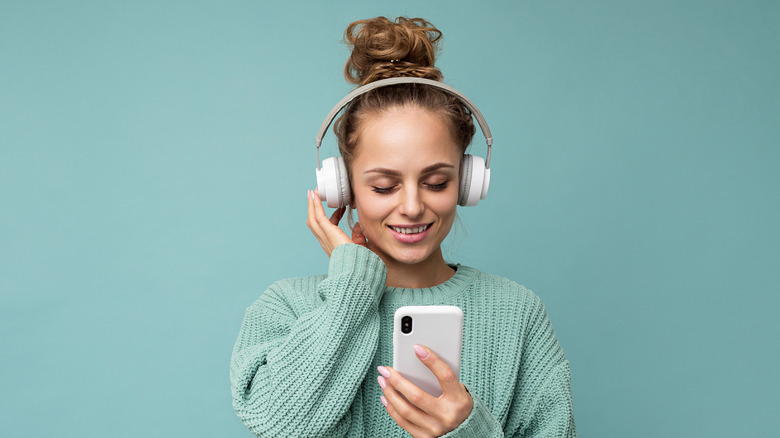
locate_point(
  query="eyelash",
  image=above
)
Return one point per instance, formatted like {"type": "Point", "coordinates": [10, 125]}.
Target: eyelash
{"type": "Point", "coordinates": [434, 187]}
{"type": "Point", "coordinates": [382, 190]}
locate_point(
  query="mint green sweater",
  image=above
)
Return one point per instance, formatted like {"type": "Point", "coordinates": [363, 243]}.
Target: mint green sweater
{"type": "Point", "coordinates": [304, 363]}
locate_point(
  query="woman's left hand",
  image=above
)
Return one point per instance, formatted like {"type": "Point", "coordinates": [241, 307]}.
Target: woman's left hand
{"type": "Point", "coordinates": [421, 414]}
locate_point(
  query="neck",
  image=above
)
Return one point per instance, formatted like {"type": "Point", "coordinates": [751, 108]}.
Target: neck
{"type": "Point", "coordinates": [428, 273]}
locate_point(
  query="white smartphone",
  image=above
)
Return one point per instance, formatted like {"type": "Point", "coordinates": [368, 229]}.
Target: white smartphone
{"type": "Point", "coordinates": [440, 328]}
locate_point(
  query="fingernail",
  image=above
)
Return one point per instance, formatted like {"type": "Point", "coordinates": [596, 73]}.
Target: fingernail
{"type": "Point", "coordinates": [382, 382]}
{"type": "Point", "coordinates": [384, 400]}
{"type": "Point", "coordinates": [421, 352]}
{"type": "Point", "coordinates": [384, 371]}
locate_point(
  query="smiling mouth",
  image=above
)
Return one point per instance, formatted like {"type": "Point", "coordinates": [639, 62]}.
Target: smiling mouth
{"type": "Point", "coordinates": [409, 230]}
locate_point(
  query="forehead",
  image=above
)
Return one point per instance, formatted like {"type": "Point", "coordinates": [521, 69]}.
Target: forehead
{"type": "Point", "coordinates": [405, 138]}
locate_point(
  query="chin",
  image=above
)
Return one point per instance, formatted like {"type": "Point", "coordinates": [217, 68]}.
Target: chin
{"type": "Point", "coordinates": [411, 256]}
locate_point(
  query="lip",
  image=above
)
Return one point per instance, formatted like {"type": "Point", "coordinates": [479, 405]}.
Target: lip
{"type": "Point", "coordinates": [410, 238]}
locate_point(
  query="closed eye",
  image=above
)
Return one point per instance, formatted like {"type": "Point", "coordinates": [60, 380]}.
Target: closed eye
{"type": "Point", "coordinates": [383, 190]}
{"type": "Point", "coordinates": [437, 187]}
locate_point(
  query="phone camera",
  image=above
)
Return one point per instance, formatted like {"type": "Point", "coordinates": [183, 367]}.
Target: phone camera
{"type": "Point", "coordinates": [406, 324]}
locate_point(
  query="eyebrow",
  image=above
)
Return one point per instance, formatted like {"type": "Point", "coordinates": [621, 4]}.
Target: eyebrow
{"type": "Point", "coordinates": [390, 172]}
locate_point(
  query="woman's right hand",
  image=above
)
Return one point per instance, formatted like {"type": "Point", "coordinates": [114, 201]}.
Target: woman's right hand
{"type": "Point", "coordinates": [327, 231]}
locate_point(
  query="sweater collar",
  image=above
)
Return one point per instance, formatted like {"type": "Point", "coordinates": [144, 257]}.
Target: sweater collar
{"type": "Point", "coordinates": [432, 295]}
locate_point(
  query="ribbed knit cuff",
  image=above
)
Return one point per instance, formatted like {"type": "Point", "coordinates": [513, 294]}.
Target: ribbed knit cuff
{"type": "Point", "coordinates": [479, 424]}
{"type": "Point", "coordinates": [358, 262]}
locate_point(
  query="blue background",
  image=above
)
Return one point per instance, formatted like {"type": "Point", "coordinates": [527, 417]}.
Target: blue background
{"type": "Point", "coordinates": [155, 157]}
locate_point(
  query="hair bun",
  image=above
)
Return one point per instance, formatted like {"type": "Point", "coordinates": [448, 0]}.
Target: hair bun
{"type": "Point", "coordinates": [384, 49]}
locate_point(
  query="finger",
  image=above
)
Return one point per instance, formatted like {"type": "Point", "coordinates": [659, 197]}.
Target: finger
{"type": "Point", "coordinates": [337, 215]}
{"type": "Point", "coordinates": [444, 374]}
{"type": "Point", "coordinates": [414, 430]}
{"type": "Point", "coordinates": [329, 234]}
{"type": "Point", "coordinates": [319, 211]}
{"type": "Point", "coordinates": [317, 201]}
{"type": "Point", "coordinates": [325, 222]}
{"type": "Point", "coordinates": [316, 227]}
{"type": "Point", "coordinates": [413, 394]}
{"type": "Point", "coordinates": [402, 406]}
{"type": "Point", "coordinates": [312, 221]}
{"type": "Point", "coordinates": [357, 235]}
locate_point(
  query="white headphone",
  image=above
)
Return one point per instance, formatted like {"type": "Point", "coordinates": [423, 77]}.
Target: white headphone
{"type": "Point", "coordinates": [332, 177]}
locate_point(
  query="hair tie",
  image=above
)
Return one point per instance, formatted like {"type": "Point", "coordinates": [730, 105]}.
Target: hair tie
{"type": "Point", "coordinates": [394, 60]}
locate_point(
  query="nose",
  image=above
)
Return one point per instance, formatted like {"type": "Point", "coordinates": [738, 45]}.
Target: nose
{"type": "Point", "coordinates": [412, 205]}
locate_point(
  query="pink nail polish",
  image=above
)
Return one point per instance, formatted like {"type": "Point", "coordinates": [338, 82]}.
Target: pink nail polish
{"type": "Point", "coordinates": [421, 352]}
{"type": "Point", "coordinates": [384, 400]}
{"type": "Point", "coordinates": [382, 382]}
{"type": "Point", "coordinates": [384, 371]}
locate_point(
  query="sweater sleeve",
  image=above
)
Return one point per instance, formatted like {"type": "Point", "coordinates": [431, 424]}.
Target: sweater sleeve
{"type": "Point", "coordinates": [553, 415]}
{"type": "Point", "coordinates": [301, 354]}
{"type": "Point", "coordinates": [544, 382]}
{"type": "Point", "coordinates": [479, 424]}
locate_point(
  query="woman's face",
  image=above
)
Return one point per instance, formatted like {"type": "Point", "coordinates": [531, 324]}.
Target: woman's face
{"type": "Point", "coordinates": [405, 183]}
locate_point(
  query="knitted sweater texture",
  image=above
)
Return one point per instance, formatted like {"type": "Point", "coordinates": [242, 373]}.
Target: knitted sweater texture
{"type": "Point", "coordinates": [304, 363]}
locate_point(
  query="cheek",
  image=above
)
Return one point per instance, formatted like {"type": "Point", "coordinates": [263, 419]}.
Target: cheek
{"type": "Point", "coordinates": [449, 214]}
{"type": "Point", "coordinates": [448, 203]}
{"type": "Point", "coordinates": [370, 210]}
{"type": "Point", "coordinates": [447, 208]}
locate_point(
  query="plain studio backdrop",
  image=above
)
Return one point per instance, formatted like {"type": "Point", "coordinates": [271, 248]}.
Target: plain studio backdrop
{"type": "Point", "coordinates": [155, 157]}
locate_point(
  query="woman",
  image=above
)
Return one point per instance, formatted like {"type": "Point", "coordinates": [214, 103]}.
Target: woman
{"type": "Point", "coordinates": [304, 361]}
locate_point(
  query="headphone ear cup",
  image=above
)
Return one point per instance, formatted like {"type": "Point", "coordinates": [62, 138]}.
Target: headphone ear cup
{"type": "Point", "coordinates": [474, 180]}
{"type": "Point", "coordinates": [465, 179]}
{"type": "Point", "coordinates": [343, 189]}
{"type": "Point", "coordinates": [333, 182]}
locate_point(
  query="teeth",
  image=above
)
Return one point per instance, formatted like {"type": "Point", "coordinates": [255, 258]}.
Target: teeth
{"type": "Point", "coordinates": [412, 230]}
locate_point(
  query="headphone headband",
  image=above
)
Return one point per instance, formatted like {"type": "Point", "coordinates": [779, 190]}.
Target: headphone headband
{"type": "Point", "coordinates": [405, 80]}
